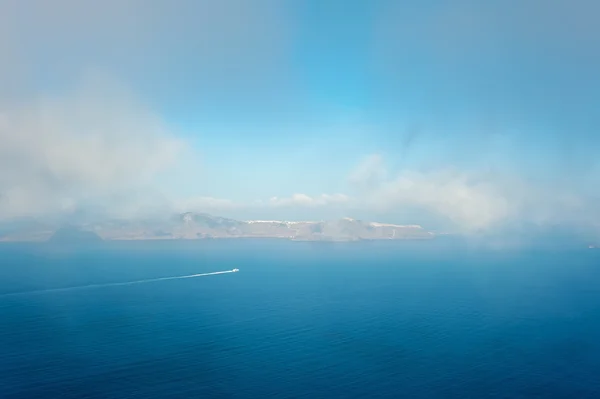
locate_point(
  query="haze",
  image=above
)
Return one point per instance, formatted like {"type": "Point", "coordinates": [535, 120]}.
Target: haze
{"type": "Point", "coordinates": [461, 116]}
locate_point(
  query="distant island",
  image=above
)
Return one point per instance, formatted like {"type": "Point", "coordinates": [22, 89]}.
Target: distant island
{"type": "Point", "coordinates": [195, 226]}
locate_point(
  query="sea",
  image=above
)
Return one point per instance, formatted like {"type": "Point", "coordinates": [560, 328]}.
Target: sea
{"type": "Point", "coordinates": [299, 320]}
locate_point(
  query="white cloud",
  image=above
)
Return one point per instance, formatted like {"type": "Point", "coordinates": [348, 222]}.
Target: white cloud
{"type": "Point", "coordinates": [206, 204]}
{"type": "Point", "coordinates": [303, 200]}
{"type": "Point", "coordinates": [226, 45]}
{"type": "Point", "coordinates": [472, 202]}
{"type": "Point", "coordinates": [369, 173]}
{"type": "Point", "coordinates": [223, 205]}
{"type": "Point", "coordinates": [468, 203]}
{"type": "Point", "coordinates": [477, 201]}
{"type": "Point", "coordinates": [96, 146]}
{"type": "Point", "coordinates": [94, 142]}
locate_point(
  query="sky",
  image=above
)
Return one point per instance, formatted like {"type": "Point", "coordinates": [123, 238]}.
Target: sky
{"type": "Point", "coordinates": [457, 115]}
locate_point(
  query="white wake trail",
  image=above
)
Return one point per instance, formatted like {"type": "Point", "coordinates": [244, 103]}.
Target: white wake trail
{"type": "Point", "coordinates": [85, 287]}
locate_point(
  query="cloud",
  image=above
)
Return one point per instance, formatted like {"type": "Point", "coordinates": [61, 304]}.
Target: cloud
{"type": "Point", "coordinates": [296, 206]}
{"type": "Point", "coordinates": [207, 204]}
{"type": "Point", "coordinates": [477, 201]}
{"type": "Point", "coordinates": [92, 144]}
{"type": "Point", "coordinates": [66, 146]}
{"type": "Point", "coordinates": [369, 173]}
{"type": "Point", "coordinates": [470, 202]}
{"type": "Point", "coordinates": [223, 205]}
{"type": "Point", "coordinates": [227, 50]}
{"type": "Point", "coordinates": [303, 200]}
{"type": "Point", "coordinates": [507, 94]}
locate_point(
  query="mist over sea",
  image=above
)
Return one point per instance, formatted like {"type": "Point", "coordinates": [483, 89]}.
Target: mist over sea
{"type": "Point", "coordinates": [300, 320]}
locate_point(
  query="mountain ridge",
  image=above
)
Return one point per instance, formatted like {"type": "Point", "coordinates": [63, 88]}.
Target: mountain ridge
{"type": "Point", "coordinates": [194, 225]}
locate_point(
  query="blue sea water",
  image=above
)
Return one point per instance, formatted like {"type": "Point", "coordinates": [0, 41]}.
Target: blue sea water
{"type": "Point", "coordinates": [300, 320]}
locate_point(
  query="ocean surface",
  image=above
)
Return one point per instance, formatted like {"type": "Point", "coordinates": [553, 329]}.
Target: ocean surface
{"type": "Point", "coordinates": [300, 320]}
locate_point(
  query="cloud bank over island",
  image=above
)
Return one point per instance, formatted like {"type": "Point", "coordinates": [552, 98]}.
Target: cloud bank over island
{"type": "Point", "coordinates": [129, 109]}
{"type": "Point", "coordinates": [99, 148]}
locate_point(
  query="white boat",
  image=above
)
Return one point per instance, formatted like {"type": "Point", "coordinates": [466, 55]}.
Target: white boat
{"type": "Point", "coordinates": [235, 270]}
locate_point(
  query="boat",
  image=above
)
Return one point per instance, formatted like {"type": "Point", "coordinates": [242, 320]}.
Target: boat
{"type": "Point", "coordinates": [235, 270]}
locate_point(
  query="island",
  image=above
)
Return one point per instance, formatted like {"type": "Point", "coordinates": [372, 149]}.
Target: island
{"type": "Point", "coordinates": [197, 226]}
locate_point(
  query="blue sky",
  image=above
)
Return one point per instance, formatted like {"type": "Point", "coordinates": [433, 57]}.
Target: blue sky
{"type": "Point", "coordinates": [458, 114]}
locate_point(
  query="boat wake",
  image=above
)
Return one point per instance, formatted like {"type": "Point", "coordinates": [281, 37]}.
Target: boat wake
{"type": "Point", "coordinates": [90, 286]}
